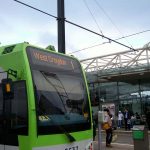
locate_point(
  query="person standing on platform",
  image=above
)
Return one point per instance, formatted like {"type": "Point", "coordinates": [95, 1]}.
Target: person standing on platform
{"type": "Point", "coordinates": [108, 129]}
{"type": "Point", "coordinates": [127, 118]}
{"type": "Point", "coordinates": [120, 118]}
{"type": "Point", "coordinates": [148, 118]}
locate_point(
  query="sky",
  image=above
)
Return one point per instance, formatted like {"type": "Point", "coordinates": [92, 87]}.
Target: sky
{"type": "Point", "coordinates": [112, 18]}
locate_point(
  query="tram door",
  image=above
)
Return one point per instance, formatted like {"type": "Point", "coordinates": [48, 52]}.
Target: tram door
{"type": "Point", "coordinates": [13, 117]}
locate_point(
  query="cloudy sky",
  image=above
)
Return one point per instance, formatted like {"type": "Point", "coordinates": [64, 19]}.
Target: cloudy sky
{"type": "Point", "coordinates": [112, 18]}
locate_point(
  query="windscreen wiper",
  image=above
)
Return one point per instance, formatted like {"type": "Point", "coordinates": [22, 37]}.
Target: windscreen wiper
{"type": "Point", "coordinates": [53, 87]}
{"type": "Point", "coordinates": [68, 135]}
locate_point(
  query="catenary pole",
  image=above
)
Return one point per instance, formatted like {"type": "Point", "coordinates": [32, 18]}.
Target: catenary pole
{"type": "Point", "coordinates": [61, 26]}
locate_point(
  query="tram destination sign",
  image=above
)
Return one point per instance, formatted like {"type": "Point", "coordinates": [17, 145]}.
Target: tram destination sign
{"type": "Point", "coordinates": [49, 59]}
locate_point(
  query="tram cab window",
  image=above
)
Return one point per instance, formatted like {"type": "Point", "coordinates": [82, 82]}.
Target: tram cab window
{"type": "Point", "coordinates": [14, 110]}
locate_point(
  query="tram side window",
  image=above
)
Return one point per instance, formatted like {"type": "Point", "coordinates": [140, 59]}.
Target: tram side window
{"type": "Point", "coordinates": [16, 109]}
{"type": "Point", "coordinates": [1, 104]}
{"type": "Point", "coordinates": [19, 106]}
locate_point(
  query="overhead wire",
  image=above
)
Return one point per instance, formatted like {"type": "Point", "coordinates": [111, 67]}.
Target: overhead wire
{"type": "Point", "coordinates": [109, 39]}
{"type": "Point", "coordinates": [112, 22]}
{"type": "Point", "coordinates": [100, 30]}
{"type": "Point", "coordinates": [137, 33]}
{"type": "Point", "coordinates": [72, 23]}
{"type": "Point", "coordinates": [35, 9]}
{"type": "Point", "coordinates": [134, 34]}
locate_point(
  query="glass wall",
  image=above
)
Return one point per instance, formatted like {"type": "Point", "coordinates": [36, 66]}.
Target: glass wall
{"type": "Point", "coordinates": [133, 95]}
{"type": "Point", "coordinates": [129, 96]}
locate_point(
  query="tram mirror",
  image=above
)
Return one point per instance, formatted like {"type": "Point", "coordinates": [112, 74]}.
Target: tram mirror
{"type": "Point", "coordinates": [74, 103]}
{"type": "Point", "coordinates": [7, 88]}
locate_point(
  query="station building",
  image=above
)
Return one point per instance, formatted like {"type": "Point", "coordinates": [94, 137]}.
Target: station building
{"type": "Point", "coordinates": [120, 80]}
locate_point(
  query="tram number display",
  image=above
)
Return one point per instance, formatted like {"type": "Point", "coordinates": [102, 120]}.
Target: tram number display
{"type": "Point", "coordinates": [72, 148]}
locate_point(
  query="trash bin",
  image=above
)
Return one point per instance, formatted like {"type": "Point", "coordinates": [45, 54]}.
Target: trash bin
{"type": "Point", "coordinates": [140, 137]}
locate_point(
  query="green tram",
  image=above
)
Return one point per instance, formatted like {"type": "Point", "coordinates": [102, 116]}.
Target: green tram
{"type": "Point", "coordinates": [44, 100]}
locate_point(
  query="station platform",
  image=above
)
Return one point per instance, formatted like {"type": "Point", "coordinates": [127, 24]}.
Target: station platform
{"type": "Point", "coordinates": [122, 131]}
{"type": "Point", "coordinates": [115, 146]}
{"type": "Point", "coordinates": [124, 140]}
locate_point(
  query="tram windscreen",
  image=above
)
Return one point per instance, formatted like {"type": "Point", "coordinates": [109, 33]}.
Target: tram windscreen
{"type": "Point", "coordinates": [60, 92]}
